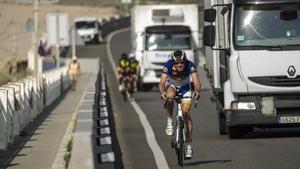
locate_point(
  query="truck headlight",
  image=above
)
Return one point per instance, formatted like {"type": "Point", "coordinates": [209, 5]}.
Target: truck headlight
{"type": "Point", "coordinates": [243, 105]}
{"type": "Point", "coordinates": [149, 73]}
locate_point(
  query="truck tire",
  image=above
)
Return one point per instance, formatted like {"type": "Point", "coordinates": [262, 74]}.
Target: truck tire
{"type": "Point", "coordinates": [222, 124]}
{"type": "Point", "coordinates": [96, 39]}
{"type": "Point", "coordinates": [238, 132]}
{"type": "Point", "coordinates": [144, 87]}
{"type": "Point", "coordinates": [221, 113]}
{"type": "Point", "coordinates": [235, 132]}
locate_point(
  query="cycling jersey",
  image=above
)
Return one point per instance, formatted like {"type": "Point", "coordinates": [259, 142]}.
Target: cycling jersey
{"type": "Point", "coordinates": [179, 78]}
{"type": "Point", "coordinates": [133, 66]}
{"type": "Point", "coordinates": [124, 64]}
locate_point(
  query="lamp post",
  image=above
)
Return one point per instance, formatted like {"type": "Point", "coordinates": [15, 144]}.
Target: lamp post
{"type": "Point", "coordinates": [35, 39]}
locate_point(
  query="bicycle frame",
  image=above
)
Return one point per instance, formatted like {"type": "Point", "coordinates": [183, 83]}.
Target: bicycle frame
{"type": "Point", "coordinates": [179, 137]}
{"type": "Point", "coordinates": [179, 124]}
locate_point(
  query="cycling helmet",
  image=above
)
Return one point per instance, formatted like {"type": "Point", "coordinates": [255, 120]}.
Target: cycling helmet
{"type": "Point", "coordinates": [124, 56]}
{"type": "Point", "coordinates": [178, 55]}
{"type": "Point", "coordinates": [131, 55]}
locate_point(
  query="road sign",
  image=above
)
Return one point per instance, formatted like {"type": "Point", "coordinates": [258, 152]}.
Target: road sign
{"type": "Point", "coordinates": [58, 29]}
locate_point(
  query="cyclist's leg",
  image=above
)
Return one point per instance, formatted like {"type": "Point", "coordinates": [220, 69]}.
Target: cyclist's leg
{"type": "Point", "coordinates": [120, 79]}
{"type": "Point", "coordinates": [134, 81]}
{"type": "Point", "coordinates": [171, 91]}
{"type": "Point", "coordinates": [131, 81]}
{"type": "Point", "coordinates": [186, 105]}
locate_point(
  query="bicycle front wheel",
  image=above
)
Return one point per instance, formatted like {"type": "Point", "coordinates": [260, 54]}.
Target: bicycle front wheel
{"type": "Point", "coordinates": [180, 148]}
{"type": "Point", "coordinates": [180, 154]}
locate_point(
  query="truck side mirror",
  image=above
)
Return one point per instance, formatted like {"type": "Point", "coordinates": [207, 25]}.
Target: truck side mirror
{"type": "Point", "coordinates": [209, 35]}
{"type": "Point", "coordinates": [210, 15]}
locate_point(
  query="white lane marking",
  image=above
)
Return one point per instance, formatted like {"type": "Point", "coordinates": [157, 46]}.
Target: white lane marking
{"type": "Point", "coordinates": [160, 159]}
{"type": "Point", "coordinates": [159, 156]}
{"type": "Point", "coordinates": [85, 111]}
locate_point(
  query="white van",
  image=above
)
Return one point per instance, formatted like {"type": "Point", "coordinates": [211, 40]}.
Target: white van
{"type": "Point", "coordinates": [88, 28]}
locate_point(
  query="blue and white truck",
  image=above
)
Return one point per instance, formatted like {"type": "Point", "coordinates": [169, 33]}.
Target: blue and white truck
{"type": "Point", "coordinates": [156, 30]}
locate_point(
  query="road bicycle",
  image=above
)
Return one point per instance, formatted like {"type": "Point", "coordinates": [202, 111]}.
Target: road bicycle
{"type": "Point", "coordinates": [178, 139]}
{"type": "Point", "coordinates": [127, 89]}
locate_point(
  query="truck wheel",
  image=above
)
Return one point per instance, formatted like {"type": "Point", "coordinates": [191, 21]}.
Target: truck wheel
{"type": "Point", "coordinates": [143, 87]}
{"type": "Point", "coordinates": [96, 39]}
{"type": "Point", "coordinates": [235, 132]}
{"type": "Point", "coordinates": [238, 132]}
{"type": "Point", "coordinates": [147, 87]}
{"type": "Point", "coordinates": [139, 85]}
{"type": "Point", "coordinates": [222, 124]}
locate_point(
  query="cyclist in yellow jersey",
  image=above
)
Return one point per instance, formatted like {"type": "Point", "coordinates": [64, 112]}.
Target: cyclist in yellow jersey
{"type": "Point", "coordinates": [123, 69]}
{"type": "Point", "coordinates": [134, 70]}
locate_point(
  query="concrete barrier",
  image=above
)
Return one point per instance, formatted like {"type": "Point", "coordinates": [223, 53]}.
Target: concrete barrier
{"type": "Point", "coordinates": [3, 119]}
{"type": "Point", "coordinates": [22, 101]}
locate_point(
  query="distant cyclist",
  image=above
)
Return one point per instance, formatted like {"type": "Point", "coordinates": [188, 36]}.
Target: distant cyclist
{"type": "Point", "coordinates": [123, 69]}
{"type": "Point", "coordinates": [134, 70]}
{"type": "Point", "coordinates": [177, 74]}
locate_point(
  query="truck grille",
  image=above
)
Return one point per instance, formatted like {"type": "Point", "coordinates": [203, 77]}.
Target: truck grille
{"type": "Point", "coordinates": [282, 81]}
{"type": "Point", "coordinates": [158, 73]}
{"type": "Point", "coordinates": [288, 111]}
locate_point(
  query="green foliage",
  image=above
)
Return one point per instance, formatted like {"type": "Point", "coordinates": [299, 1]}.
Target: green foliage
{"type": "Point", "coordinates": [67, 156]}
{"type": "Point", "coordinates": [70, 145]}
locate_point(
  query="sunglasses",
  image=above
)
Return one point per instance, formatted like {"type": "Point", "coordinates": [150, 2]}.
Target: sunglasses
{"type": "Point", "coordinates": [176, 63]}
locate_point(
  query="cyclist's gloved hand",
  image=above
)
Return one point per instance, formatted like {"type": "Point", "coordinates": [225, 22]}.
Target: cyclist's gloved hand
{"type": "Point", "coordinates": [164, 96]}
{"type": "Point", "coordinates": [196, 95]}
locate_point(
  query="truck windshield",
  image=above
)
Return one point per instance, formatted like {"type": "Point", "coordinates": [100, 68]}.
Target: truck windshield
{"type": "Point", "coordinates": [161, 41]}
{"type": "Point", "coordinates": [266, 26]}
{"type": "Point", "coordinates": [85, 25]}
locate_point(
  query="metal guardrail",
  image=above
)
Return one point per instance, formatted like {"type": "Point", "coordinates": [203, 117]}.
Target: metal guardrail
{"type": "Point", "coordinates": [114, 24]}
{"type": "Point", "coordinates": [95, 142]}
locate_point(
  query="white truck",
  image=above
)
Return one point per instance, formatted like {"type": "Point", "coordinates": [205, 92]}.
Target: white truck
{"type": "Point", "coordinates": [156, 30]}
{"type": "Point", "coordinates": [88, 28]}
{"type": "Point", "coordinates": [252, 54]}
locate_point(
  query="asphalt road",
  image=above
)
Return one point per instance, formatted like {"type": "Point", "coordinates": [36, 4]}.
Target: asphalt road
{"type": "Point", "coordinates": [261, 149]}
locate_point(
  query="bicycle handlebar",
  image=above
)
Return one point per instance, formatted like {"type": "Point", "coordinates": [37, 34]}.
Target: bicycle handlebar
{"type": "Point", "coordinates": [195, 103]}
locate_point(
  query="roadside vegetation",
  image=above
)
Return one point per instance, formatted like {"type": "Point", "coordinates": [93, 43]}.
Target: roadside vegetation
{"type": "Point", "coordinates": [67, 156]}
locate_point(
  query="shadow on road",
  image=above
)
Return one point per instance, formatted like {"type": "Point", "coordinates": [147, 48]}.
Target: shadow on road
{"type": "Point", "coordinates": [206, 162]}
{"type": "Point", "coordinates": [273, 133]}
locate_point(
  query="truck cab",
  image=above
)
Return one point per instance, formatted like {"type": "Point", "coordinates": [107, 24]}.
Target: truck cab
{"type": "Point", "coordinates": [253, 49]}
{"type": "Point", "coordinates": [157, 30]}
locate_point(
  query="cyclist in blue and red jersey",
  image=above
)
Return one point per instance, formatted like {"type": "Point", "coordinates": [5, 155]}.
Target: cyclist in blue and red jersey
{"type": "Point", "coordinates": [178, 72]}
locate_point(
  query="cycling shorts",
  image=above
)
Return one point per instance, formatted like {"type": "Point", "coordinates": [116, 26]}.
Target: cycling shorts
{"type": "Point", "coordinates": [184, 91]}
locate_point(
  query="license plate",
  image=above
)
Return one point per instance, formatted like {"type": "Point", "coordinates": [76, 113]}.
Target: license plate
{"type": "Point", "coordinates": [289, 119]}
